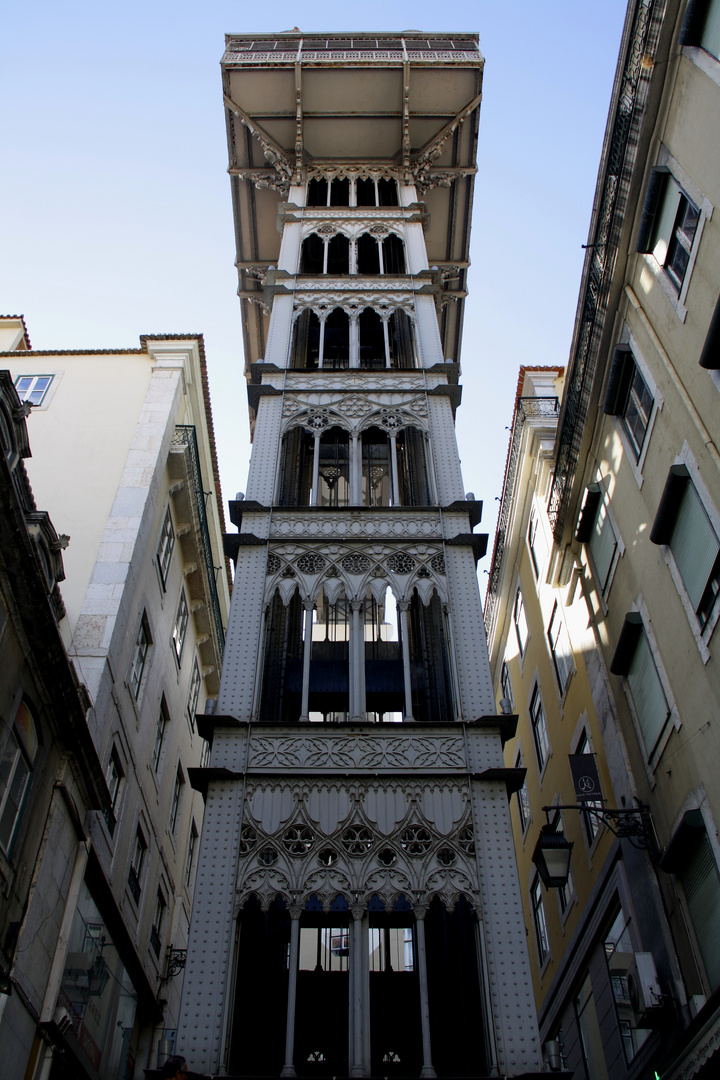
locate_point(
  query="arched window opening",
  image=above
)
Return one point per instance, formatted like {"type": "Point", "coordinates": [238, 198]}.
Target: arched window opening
{"type": "Point", "coordinates": [334, 468]}
{"type": "Point", "coordinates": [317, 193]}
{"type": "Point", "coordinates": [296, 462]}
{"type": "Point", "coordinates": [368, 255]}
{"type": "Point", "coordinates": [413, 479]}
{"type": "Point", "coordinates": [282, 663]}
{"type": "Point", "coordinates": [430, 661]}
{"type": "Point", "coordinates": [395, 1030]}
{"type": "Point", "coordinates": [372, 340]}
{"type": "Point", "coordinates": [393, 255]}
{"type": "Point", "coordinates": [376, 467]}
{"type": "Point", "coordinates": [323, 994]}
{"type": "Point", "coordinates": [384, 685]}
{"type": "Point", "coordinates": [338, 260]}
{"type": "Point", "coordinates": [340, 192]}
{"type": "Point", "coordinates": [329, 659]}
{"type": "Point", "coordinates": [387, 193]}
{"type": "Point", "coordinates": [16, 765]}
{"type": "Point", "coordinates": [306, 344]}
{"type": "Point", "coordinates": [257, 1044]}
{"type": "Point", "coordinates": [455, 999]}
{"type": "Point", "coordinates": [401, 341]}
{"type": "Point", "coordinates": [366, 192]}
{"type": "Point", "coordinates": [336, 343]}
{"type": "Point", "coordinates": [312, 255]}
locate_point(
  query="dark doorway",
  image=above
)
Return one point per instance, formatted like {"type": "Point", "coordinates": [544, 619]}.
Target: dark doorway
{"type": "Point", "coordinates": [257, 1045]}
{"type": "Point", "coordinates": [321, 1015]}
{"type": "Point", "coordinates": [456, 1024]}
{"type": "Point", "coordinates": [395, 1032]}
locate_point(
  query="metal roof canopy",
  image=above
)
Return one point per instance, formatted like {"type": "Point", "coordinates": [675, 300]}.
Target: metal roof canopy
{"type": "Point", "coordinates": [409, 101]}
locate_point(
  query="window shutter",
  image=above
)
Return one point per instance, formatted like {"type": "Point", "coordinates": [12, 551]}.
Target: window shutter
{"type": "Point", "coordinates": [694, 545]}
{"type": "Point", "coordinates": [710, 356]}
{"type": "Point", "coordinates": [710, 39]}
{"type": "Point", "coordinates": [588, 513]}
{"type": "Point", "coordinates": [617, 384]}
{"type": "Point", "coordinates": [627, 643]}
{"type": "Point", "coordinates": [647, 694]}
{"type": "Point", "coordinates": [603, 544]}
{"type": "Point", "coordinates": [701, 885]}
{"type": "Point", "coordinates": [653, 201]}
{"type": "Point", "coordinates": [667, 512]}
{"type": "Point", "coordinates": [693, 22]}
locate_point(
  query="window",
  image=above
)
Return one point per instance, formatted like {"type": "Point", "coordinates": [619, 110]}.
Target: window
{"type": "Point", "coordinates": [590, 1034]}
{"type": "Point", "coordinates": [159, 736]}
{"type": "Point", "coordinates": [560, 647]}
{"type": "Point", "coordinates": [192, 844]}
{"type": "Point", "coordinates": [165, 547]}
{"type": "Point", "coordinates": [618, 954]}
{"type": "Point", "coordinates": [520, 620]}
{"type": "Point", "coordinates": [682, 523]}
{"type": "Point", "coordinates": [597, 530]}
{"type": "Point", "coordinates": [629, 398]}
{"type": "Point", "coordinates": [143, 642]}
{"type": "Point", "coordinates": [539, 921]}
{"type": "Point", "coordinates": [536, 543]}
{"type": "Point", "coordinates": [33, 388]}
{"type": "Point", "coordinates": [539, 729]}
{"type": "Point", "coordinates": [114, 776]}
{"type": "Point", "coordinates": [205, 754]}
{"type": "Point", "coordinates": [634, 660]}
{"type": "Point", "coordinates": [565, 894]}
{"type": "Point", "coordinates": [699, 878]}
{"type": "Point", "coordinates": [181, 625]}
{"type": "Point", "coordinates": [701, 26]}
{"type": "Point", "coordinates": [158, 918]}
{"type": "Point", "coordinates": [193, 693]}
{"type": "Point", "coordinates": [522, 798]}
{"type": "Point", "coordinates": [136, 865]}
{"type": "Point", "coordinates": [176, 799]}
{"type": "Point", "coordinates": [671, 226]}
{"type": "Point", "coordinates": [16, 764]}
{"type": "Point", "coordinates": [506, 684]}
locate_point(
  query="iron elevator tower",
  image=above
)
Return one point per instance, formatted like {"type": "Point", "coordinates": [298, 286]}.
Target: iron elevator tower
{"type": "Point", "coordinates": [357, 909]}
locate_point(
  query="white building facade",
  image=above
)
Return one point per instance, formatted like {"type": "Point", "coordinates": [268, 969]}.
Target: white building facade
{"type": "Point", "coordinates": [357, 908]}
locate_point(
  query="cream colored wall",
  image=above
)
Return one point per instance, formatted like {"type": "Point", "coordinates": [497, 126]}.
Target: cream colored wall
{"type": "Point", "coordinates": [564, 715]}
{"type": "Point", "coordinates": [79, 445]}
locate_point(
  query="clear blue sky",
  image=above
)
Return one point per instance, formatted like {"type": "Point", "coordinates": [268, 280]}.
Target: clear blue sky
{"type": "Point", "coordinates": [115, 203]}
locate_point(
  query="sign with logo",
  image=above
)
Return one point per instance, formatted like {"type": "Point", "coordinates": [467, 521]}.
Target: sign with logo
{"type": "Point", "coordinates": [585, 777]}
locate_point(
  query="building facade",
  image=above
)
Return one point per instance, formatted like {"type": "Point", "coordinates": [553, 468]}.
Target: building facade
{"type": "Point", "coordinates": [146, 601]}
{"type": "Point", "coordinates": [631, 516]}
{"type": "Point", "coordinates": [356, 868]}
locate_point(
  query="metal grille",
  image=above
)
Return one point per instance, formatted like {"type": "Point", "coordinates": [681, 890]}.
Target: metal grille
{"type": "Point", "coordinates": [601, 257]}
{"type": "Point", "coordinates": [527, 408]}
{"type": "Point", "coordinates": [184, 435]}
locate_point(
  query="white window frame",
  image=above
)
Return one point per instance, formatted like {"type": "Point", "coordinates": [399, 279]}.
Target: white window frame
{"type": "Point", "coordinates": [180, 627]}
{"type": "Point", "coordinates": [160, 731]}
{"type": "Point", "coordinates": [166, 546]}
{"type": "Point", "coordinates": [537, 904]}
{"type": "Point", "coordinates": [139, 662]}
{"type": "Point", "coordinates": [692, 192]}
{"type": "Point", "coordinates": [520, 597]}
{"type": "Point", "coordinates": [637, 466]}
{"type": "Point", "coordinates": [557, 617]}
{"type": "Point", "coordinates": [46, 395]}
{"type": "Point", "coordinates": [699, 53]}
{"type": "Point", "coordinates": [702, 634]}
{"type": "Point", "coordinates": [192, 848]}
{"type": "Point", "coordinates": [193, 693]}
{"type": "Point", "coordinates": [177, 799]}
{"type": "Point", "coordinates": [20, 755]}
{"type": "Point", "coordinates": [605, 505]}
{"type": "Point", "coordinates": [506, 688]}
{"type": "Point", "coordinates": [673, 722]}
{"type": "Point", "coordinates": [524, 816]}
{"type": "Point", "coordinates": [138, 861]}
{"type": "Point", "coordinates": [536, 695]}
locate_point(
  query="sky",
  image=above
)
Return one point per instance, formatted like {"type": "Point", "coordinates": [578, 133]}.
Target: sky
{"type": "Point", "coordinates": [115, 209]}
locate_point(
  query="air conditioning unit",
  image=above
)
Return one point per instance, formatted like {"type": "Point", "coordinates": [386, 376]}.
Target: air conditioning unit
{"type": "Point", "coordinates": [62, 1019]}
{"type": "Point", "coordinates": [644, 987]}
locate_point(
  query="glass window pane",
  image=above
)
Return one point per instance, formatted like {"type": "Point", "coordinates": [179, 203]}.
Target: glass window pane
{"type": "Point", "coordinates": [694, 545]}
{"type": "Point", "coordinates": [648, 695]}
{"type": "Point", "coordinates": [603, 545]}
